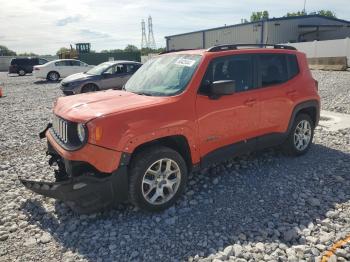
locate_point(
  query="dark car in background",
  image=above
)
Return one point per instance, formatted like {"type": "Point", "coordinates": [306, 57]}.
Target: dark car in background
{"type": "Point", "coordinates": [108, 75]}
{"type": "Point", "coordinates": [22, 66]}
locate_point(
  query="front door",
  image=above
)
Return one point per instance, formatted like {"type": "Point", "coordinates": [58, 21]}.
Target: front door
{"type": "Point", "coordinates": [232, 118]}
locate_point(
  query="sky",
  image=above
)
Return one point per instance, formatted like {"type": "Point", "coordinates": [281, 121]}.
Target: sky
{"type": "Point", "coordinates": [43, 26]}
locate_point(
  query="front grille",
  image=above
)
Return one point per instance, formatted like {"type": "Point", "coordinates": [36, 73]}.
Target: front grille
{"type": "Point", "coordinates": [60, 128]}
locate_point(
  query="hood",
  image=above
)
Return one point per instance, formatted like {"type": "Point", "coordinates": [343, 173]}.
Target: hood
{"type": "Point", "coordinates": [85, 107]}
{"type": "Point", "coordinates": [77, 77]}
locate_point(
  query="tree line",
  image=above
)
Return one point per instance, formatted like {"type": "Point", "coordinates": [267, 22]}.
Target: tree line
{"type": "Point", "coordinates": [263, 15]}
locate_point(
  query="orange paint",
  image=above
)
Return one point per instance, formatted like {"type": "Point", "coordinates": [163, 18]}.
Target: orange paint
{"type": "Point", "coordinates": [334, 248]}
{"type": "Point", "coordinates": [120, 121]}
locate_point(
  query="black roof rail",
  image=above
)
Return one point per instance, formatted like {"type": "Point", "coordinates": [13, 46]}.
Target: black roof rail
{"type": "Point", "coordinates": [219, 48]}
{"type": "Point", "coordinates": [177, 50]}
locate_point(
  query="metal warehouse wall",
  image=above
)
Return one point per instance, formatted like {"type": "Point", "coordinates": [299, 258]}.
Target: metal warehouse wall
{"type": "Point", "coordinates": [193, 40]}
{"type": "Point", "coordinates": [274, 31]}
{"type": "Point", "coordinates": [282, 31]}
{"type": "Point", "coordinates": [98, 58]}
{"type": "Point", "coordinates": [249, 33]}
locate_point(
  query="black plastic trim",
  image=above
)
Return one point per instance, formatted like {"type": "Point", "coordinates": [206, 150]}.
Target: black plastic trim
{"type": "Point", "coordinates": [307, 104]}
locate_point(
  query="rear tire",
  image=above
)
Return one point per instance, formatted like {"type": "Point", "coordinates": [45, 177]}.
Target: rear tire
{"type": "Point", "coordinates": [158, 177]}
{"type": "Point", "coordinates": [89, 88]}
{"type": "Point", "coordinates": [22, 72]}
{"type": "Point", "coordinates": [53, 76]}
{"type": "Point", "coordinates": [300, 136]}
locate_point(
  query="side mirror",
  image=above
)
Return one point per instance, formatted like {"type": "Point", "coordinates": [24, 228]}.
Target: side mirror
{"type": "Point", "coordinates": [105, 74]}
{"type": "Point", "coordinates": [222, 88]}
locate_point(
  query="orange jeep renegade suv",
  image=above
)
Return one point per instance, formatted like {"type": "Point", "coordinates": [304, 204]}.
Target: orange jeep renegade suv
{"type": "Point", "coordinates": [179, 112]}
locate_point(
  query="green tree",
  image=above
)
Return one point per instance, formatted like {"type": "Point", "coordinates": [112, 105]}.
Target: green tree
{"type": "Point", "coordinates": [112, 51]}
{"type": "Point", "coordinates": [146, 51]}
{"type": "Point", "coordinates": [27, 54]}
{"type": "Point", "coordinates": [62, 50]}
{"type": "Point", "coordinates": [257, 16]}
{"type": "Point", "coordinates": [299, 13]}
{"type": "Point", "coordinates": [131, 48]}
{"type": "Point", "coordinates": [327, 13]}
{"type": "Point", "coordinates": [4, 51]}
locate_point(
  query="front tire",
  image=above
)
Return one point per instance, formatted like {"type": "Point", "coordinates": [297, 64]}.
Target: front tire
{"type": "Point", "coordinates": [158, 176]}
{"type": "Point", "coordinates": [89, 88]}
{"type": "Point", "coordinates": [300, 137]}
{"type": "Point", "coordinates": [53, 76]}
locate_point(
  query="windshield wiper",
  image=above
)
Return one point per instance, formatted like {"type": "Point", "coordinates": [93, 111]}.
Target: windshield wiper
{"type": "Point", "coordinates": [143, 94]}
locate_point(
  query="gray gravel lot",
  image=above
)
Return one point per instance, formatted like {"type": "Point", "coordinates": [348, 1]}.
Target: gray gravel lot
{"type": "Point", "coordinates": [261, 207]}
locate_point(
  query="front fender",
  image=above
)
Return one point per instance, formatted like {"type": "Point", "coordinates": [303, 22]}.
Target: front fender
{"type": "Point", "coordinates": [133, 142]}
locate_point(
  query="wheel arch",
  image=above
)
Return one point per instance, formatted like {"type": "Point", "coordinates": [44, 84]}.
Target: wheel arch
{"type": "Point", "coordinates": [179, 143]}
{"type": "Point", "coordinates": [90, 83]}
{"type": "Point", "coordinates": [53, 71]}
{"type": "Point", "coordinates": [311, 108]}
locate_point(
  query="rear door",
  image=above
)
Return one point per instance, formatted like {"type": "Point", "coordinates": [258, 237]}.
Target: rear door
{"type": "Point", "coordinates": [77, 67]}
{"type": "Point", "coordinates": [64, 68]}
{"type": "Point", "coordinates": [127, 71]}
{"type": "Point", "coordinates": [277, 90]}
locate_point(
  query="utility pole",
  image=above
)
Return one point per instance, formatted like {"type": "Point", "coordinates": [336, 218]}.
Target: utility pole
{"type": "Point", "coordinates": [304, 10]}
{"type": "Point", "coordinates": [151, 41]}
{"type": "Point", "coordinates": [144, 42]}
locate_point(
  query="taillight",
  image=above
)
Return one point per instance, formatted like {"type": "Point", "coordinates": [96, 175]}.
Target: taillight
{"type": "Point", "coordinates": [35, 68]}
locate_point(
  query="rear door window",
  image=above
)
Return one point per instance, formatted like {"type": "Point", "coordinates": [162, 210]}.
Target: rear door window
{"type": "Point", "coordinates": [42, 61]}
{"type": "Point", "coordinates": [272, 69]}
{"type": "Point", "coordinates": [276, 69]}
{"type": "Point", "coordinates": [74, 63]}
{"type": "Point", "coordinates": [131, 68]}
{"type": "Point", "coordinates": [293, 66]}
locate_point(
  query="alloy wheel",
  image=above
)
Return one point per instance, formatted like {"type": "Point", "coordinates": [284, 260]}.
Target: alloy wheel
{"type": "Point", "coordinates": [302, 135]}
{"type": "Point", "coordinates": [161, 181]}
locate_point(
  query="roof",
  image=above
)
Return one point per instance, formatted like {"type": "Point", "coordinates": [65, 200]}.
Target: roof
{"type": "Point", "coordinates": [267, 20]}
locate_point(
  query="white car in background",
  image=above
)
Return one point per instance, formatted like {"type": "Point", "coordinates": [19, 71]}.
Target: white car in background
{"type": "Point", "coordinates": [54, 70]}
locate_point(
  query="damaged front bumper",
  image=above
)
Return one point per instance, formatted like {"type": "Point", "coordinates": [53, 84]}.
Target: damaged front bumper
{"type": "Point", "coordinates": [85, 194]}
{"type": "Point", "coordinates": [80, 186]}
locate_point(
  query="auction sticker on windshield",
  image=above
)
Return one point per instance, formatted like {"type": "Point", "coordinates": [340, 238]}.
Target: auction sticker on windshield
{"type": "Point", "coordinates": [185, 62]}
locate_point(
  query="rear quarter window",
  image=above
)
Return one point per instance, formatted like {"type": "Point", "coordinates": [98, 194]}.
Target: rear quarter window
{"type": "Point", "coordinates": [292, 66]}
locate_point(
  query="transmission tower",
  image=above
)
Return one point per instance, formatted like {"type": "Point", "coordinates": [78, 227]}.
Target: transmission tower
{"type": "Point", "coordinates": [144, 42]}
{"type": "Point", "coordinates": [151, 42]}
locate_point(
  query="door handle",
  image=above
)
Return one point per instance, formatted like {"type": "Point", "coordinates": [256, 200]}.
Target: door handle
{"type": "Point", "coordinates": [250, 102]}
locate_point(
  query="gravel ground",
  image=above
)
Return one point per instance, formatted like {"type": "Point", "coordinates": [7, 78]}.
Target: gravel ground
{"type": "Point", "coordinates": [261, 207]}
{"type": "Point", "coordinates": [334, 88]}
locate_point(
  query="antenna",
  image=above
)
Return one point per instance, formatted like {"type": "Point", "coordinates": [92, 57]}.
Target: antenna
{"type": "Point", "coordinates": [144, 43]}
{"type": "Point", "coordinates": [151, 41]}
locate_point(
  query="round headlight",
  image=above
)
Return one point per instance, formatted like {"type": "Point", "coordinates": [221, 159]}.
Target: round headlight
{"type": "Point", "coordinates": [81, 132]}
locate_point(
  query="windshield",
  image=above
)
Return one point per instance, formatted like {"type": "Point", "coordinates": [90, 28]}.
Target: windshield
{"type": "Point", "coordinates": [98, 70]}
{"type": "Point", "coordinates": [164, 75]}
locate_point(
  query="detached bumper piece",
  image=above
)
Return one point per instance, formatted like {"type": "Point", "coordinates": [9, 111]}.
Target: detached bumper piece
{"type": "Point", "coordinates": [85, 194]}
